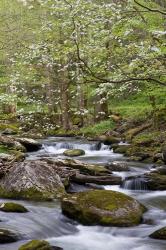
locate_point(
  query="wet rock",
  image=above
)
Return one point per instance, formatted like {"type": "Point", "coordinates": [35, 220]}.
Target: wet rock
{"type": "Point", "coordinates": [30, 144]}
{"type": "Point", "coordinates": [117, 166]}
{"type": "Point", "coordinates": [108, 140]}
{"type": "Point", "coordinates": [74, 152]}
{"type": "Point", "coordinates": [36, 180]}
{"type": "Point", "coordinates": [160, 170]}
{"type": "Point", "coordinates": [7, 236]}
{"type": "Point", "coordinates": [159, 234]}
{"type": "Point", "coordinates": [38, 245]}
{"type": "Point", "coordinates": [101, 207]}
{"type": "Point", "coordinates": [84, 168]}
{"type": "Point", "coordinates": [100, 180]}
{"type": "Point", "coordinates": [155, 181]}
{"type": "Point", "coordinates": [121, 149]}
{"type": "Point", "coordinates": [11, 207]}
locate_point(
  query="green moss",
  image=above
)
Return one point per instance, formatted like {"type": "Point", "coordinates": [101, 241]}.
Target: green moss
{"type": "Point", "coordinates": [13, 207]}
{"type": "Point", "coordinates": [104, 208]}
{"type": "Point", "coordinates": [74, 152]}
{"type": "Point", "coordinates": [36, 245]}
{"type": "Point", "coordinates": [159, 234]}
{"type": "Point", "coordinates": [28, 194]}
{"type": "Point", "coordinates": [13, 127]}
{"type": "Point", "coordinates": [4, 149]}
{"type": "Point", "coordinates": [122, 149]}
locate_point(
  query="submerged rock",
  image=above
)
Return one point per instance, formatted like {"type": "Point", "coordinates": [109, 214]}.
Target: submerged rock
{"type": "Point", "coordinates": [12, 207]}
{"type": "Point", "coordinates": [101, 207]}
{"type": "Point", "coordinates": [7, 236]}
{"type": "Point", "coordinates": [117, 166]}
{"type": "Point", "coordinates": [38, 245]}
{"type": "Point", "coordinates": [30, 144]}
{"type": "Point", "coordinates": [36, 180]}
{"type": "Point", "coordinates": [74, 152]}
{"type": "Point", "coordinates": [159, 234]}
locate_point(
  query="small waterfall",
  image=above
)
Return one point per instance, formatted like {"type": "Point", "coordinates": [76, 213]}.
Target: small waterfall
{"type": "Point", "coordinates": [136, 183]}
{"type": "Point", "coordinates": [69, 145]}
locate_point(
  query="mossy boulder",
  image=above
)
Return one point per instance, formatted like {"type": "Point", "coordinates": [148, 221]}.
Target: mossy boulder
{"type": "Point", "coordinates": [11, 143]}
{"type": "Point", "coordinates": [101, 207]}
{"type": "Point", "coordinates": [74, 152]}
{"type": "Point", "coordinates": [155, 181]}
{"type": "Point", "coordinates": [30, 144]}
{"type": "Point", "coordinates": [159, 234]}
{"type": "Point", "coordinates": [108, 140]}
{"type": "Point", "coordinates": [11, 207]}
{"type": "Point", "coordinates": [7, 236]}
{"type": "Point", "coordinates": [121, 149]}
{"type": "Point", "coordinates": [38, 245]}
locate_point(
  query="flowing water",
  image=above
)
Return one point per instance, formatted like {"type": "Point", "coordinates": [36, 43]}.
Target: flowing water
{"type": "Point", "coordinates": [45, 220]}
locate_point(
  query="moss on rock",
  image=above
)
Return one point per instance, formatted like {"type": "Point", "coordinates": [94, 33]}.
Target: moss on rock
{"type": "Point", "coordinates": [37, 245]}
{"type": "Point", "coordinates": [12, 207]}
{"type": "Point", "coordinates": [159, 234]}
{"type": "Point", "coordinates": [29, 194]}
{"type": "Point", "coordinates": [74, 152]}
{"type": "Point", "coordinates": [108, 208]}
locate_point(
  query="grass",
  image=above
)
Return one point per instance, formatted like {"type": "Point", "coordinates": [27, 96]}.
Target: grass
{"type": "Point", "coordinates": [138, 106]}
{"type": "Point", "coordinates": [98, 128]}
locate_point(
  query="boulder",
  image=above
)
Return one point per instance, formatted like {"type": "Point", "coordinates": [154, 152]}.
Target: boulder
{"type": "Point", "coordinates": [100, 180]}
{"type": "Point", "coordinates": [30, 144]}
{"type": "Point", "coordinates": [74, 152]}
{"type": "Point", "coordinates": [108, 140]}
{"type": "Point", "coordinates": [11, 142]}
{"type": "Point", "coordinates": [101, 207]}
{"type": "Point", "coordinates": [121, 149]}
{"type": "Point", "coordinates": [117, 166]}
{"type": "Point", "coordinates": [159, 234]}
{"type": "Point", "coordinates": [155, 181]}
{"type": "Point", "coordinates": [5, 157]}
{"type": "Point", "coordinates": [36, 180]}
{"type": "Point", "coordinates": [11, 207]}
{"type": "Point", "coordinates": [38, 245]}
{"type": "Point", "coordinates": [7, 236]}
{"type": "Point", "coordinates": [160, 170]}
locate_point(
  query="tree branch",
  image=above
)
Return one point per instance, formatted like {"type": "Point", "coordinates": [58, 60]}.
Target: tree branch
{"type": "Point", "coordinates": [149, 9]}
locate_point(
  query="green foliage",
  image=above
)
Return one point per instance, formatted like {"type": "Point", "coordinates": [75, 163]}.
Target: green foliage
{"type": "Point", "coordinates": [98, 128]}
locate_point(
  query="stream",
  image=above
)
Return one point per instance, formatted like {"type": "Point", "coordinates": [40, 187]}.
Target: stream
{"type": "Point", "coordinates": [45, 220]}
